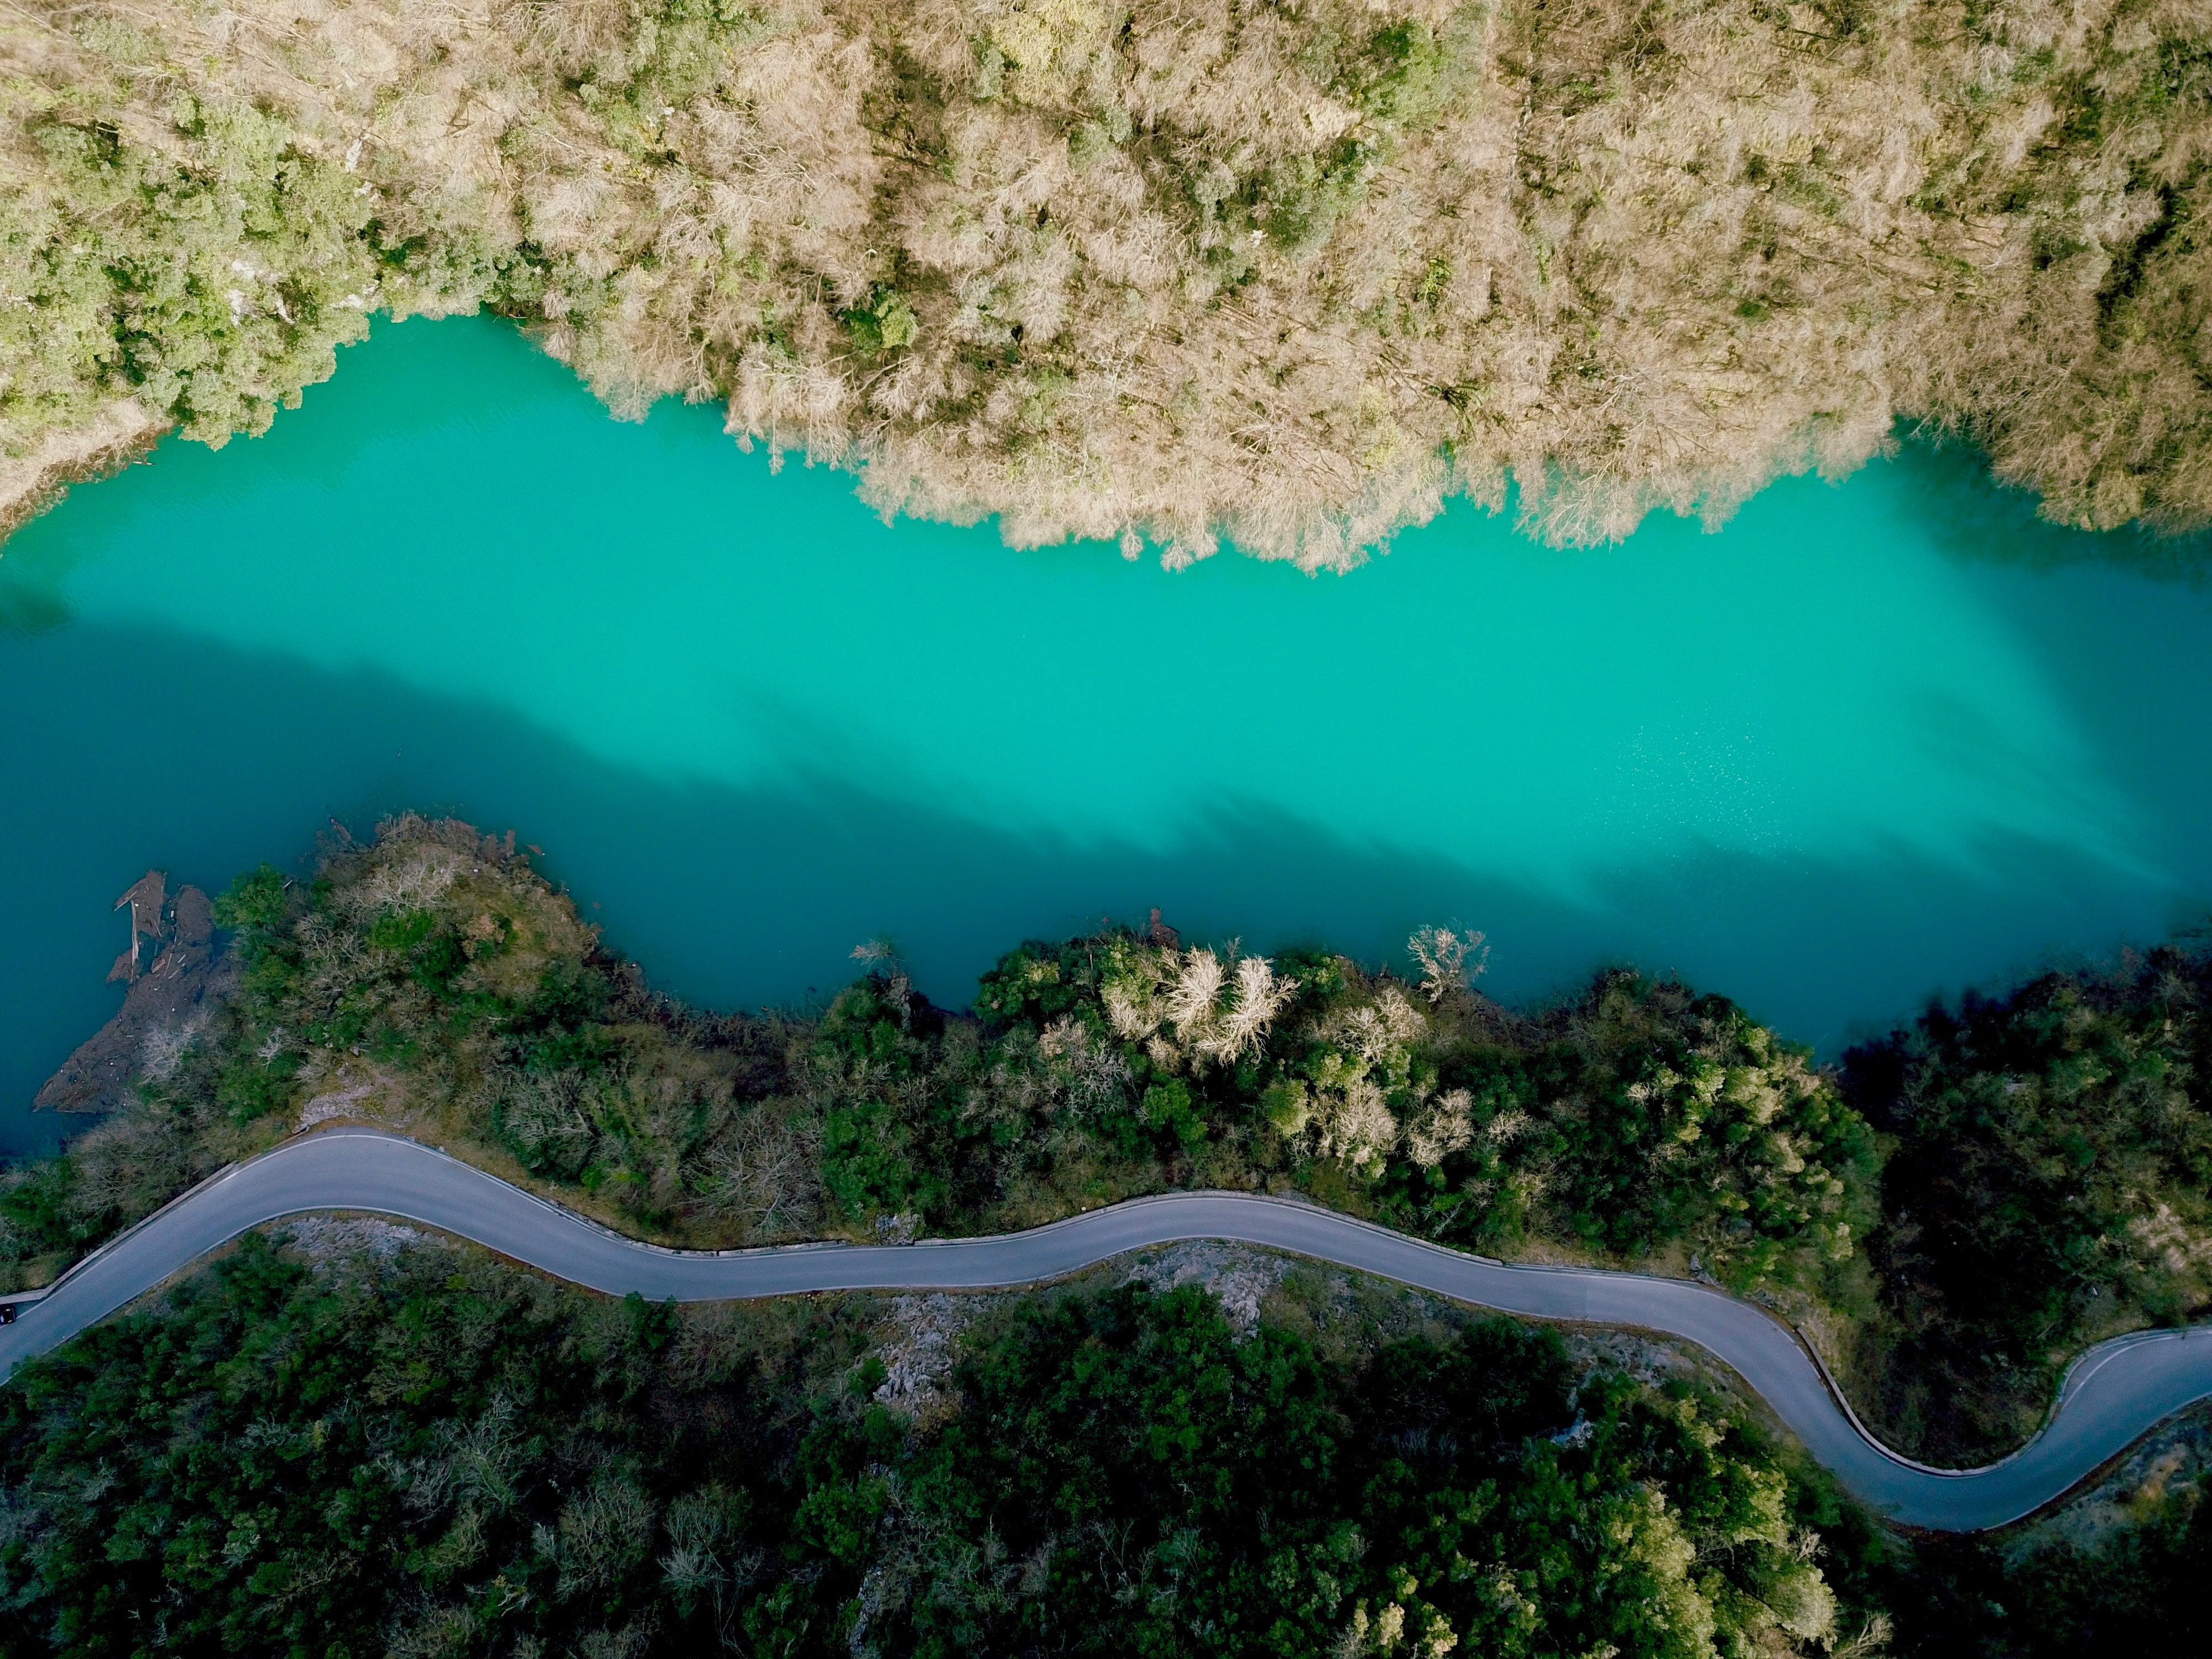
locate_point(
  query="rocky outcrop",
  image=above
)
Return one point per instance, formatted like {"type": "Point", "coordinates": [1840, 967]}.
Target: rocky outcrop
{"type": "Point", "coordinates": [175, 978]}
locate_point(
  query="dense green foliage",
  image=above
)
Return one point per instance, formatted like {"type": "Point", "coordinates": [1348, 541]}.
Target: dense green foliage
{"type": "Point", "coordinates": [133, 265]}
{"type": "Point", "coordinates": [330, 1461]}
{"type": "Point", "coordinates": [1123, 1478]}
{"type": "Point", "coordinates": [2050, 1182]}
{"type": "Point", "coordinates": [432, 979]}
{"type": "Point", "coordinates": [434, 1455]}
{"type": "Point", "coordinates": [1637, 1117]}
{"type": "Point", "coordinates": [1972, 1202]}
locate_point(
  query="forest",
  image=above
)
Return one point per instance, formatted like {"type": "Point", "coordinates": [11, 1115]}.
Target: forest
{"type": "Point", "coordinates": [431, 980]}
{"type": "Point", "coordinates": [1167, 272]}
{"type": "Point", "coordinates": [1951, 1214]}
{"type": "Point", "coordinates": [271, 1461]}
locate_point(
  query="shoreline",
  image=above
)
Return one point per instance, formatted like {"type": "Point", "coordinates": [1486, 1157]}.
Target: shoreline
{"type": "Point", "coordinates": [32, 485]}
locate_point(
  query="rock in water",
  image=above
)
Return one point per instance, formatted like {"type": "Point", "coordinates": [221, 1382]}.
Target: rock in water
{"type": "Point", "coordinates": [169, 1000]}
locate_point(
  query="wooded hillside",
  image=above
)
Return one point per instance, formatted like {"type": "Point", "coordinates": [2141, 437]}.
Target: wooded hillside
{"type": "Point", "coordinates": [1159, 271]}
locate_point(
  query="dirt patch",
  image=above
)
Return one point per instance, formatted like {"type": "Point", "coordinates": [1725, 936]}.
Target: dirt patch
{"type": "Point", "coordinates": [348, 1096]}
{"type": "Point", "coordinates": [326, 1240]}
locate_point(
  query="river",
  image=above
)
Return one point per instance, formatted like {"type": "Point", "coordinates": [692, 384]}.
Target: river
{"type": "Point", "coordinates": [1869, 743]}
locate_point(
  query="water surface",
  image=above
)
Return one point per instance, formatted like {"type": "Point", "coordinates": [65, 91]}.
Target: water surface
{"type": "Point", "coordinates": [1867, 743]}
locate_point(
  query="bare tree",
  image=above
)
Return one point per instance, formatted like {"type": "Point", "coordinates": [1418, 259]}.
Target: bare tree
{"type": "Point", "coordinates": [1450, 960]}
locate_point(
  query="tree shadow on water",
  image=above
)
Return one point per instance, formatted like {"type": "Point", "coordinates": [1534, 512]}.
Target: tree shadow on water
{"type": "Point", "coordinates": [1977, 518]}
{"type": "Point", "coordinates": [153, 749]}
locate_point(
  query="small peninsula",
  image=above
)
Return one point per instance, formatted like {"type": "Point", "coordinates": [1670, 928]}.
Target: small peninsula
{"type": "Point", "coordinates": [1288, 274]}
{"type": "Point", "coordinates": [1947, 1258]}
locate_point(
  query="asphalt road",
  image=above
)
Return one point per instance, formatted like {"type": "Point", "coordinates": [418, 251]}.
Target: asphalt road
{"type": "Point", "coordinates": [2116, 1392]}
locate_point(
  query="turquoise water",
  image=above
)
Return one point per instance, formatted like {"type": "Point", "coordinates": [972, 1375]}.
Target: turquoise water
{"type": "Point", "coordinates": [1869, 743]}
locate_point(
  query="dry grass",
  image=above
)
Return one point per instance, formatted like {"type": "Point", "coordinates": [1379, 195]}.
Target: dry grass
{"type": "Point", "coordinates": [1168, 271]}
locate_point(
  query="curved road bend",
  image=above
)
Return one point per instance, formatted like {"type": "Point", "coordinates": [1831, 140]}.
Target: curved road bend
{"type": "Point", "coordinates": [2116, 1392]}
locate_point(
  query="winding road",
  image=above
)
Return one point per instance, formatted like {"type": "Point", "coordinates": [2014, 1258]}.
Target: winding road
{"type": "Point", "coordinates": [2114, 1393]}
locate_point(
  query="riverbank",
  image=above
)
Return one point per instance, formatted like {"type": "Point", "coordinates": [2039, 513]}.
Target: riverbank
{"type": "Point", "coordinates": [1194, 275]}
{"type": "Point", "coordinates": [431, 982]}
{"type": "Point", "coordinates": [107, 440]}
